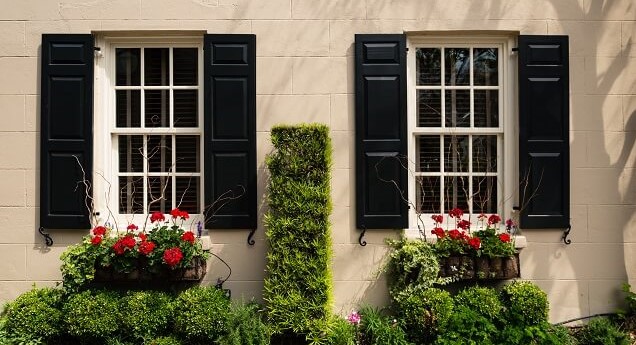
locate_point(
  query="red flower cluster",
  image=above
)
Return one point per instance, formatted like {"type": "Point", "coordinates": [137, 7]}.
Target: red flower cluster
{"type": "Point", "coordinates": [157, 217]}
{"type": "Point", "coordinates": [505, 237]}
{"type": "Point", "coordinates": [455, 234]}
{"type": "Point", "coordinates": [439, 232]}
{"type": "Point", "coordinates": [437, 218]}
{"type": "Point", "coordinates": [96, 240]}
{"type": "Point", "coordinates": [494, 219]}
{"type": "Point", "coordinates": [132, 227]}
{"type": "Point", "coordinates": [125, 243]}
{"type": "Point", "coordinates": [188, 236]}
{"type": "Point", "coordinates": [456, 213]}
{"type": "Point", "coordinates": [172, 256]}
{"type": "Point", "coordinates": [474, 242]}
{"type": "Point", "coordinates": [146, 247]}
{"type": "Point", "coordinates": [177, 213]}
{"type": "Point", "coordinates": [99, 231]}
{"type": "Point", "coordinates": [463, 224]}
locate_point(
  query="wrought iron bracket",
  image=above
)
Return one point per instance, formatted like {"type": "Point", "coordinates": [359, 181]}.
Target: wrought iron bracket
{"type": "Point", "coordinates": [566, 233]}
{"type": "Point", "coordinates": [361, 240]}
{"type": "Point", "coordinates": [250, 239]}
{"type": "Point", "coordinates": [47, 237]}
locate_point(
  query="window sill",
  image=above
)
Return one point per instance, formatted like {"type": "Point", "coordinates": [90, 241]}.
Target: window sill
{"type": "Point", "coordinates": [519, 240]}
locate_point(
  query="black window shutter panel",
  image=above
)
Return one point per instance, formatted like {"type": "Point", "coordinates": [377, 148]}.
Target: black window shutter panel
{"type": "Point", "coordinates": [381, 137]}
{"type": "Point", "coordinates": [544, 145]}
{"type": "Point", "coordinates": [230, 131]}
{"type": "Point", "coordinates": [66, 142]}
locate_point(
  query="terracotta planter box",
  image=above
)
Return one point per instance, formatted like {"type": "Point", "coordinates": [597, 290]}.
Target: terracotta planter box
{"type": "Point", "coordinates": [482, 268]}
{"type": "Point", "coordinates": [194, 272]}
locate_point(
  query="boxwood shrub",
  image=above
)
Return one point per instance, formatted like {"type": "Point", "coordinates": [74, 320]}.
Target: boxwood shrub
{"type": "Point", "coordinates": [92, 315]}
{"type": "Point", "coordinates": [526, 303]}
{"type": "Point", "coordinates": [145, 314]}
{"type": "Point", "coordinates": [201, 314]}
{"type": "Point", "coordinates": [35, 315]}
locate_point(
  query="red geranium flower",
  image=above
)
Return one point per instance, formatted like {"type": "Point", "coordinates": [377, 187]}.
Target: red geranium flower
{"type": "Point", "coordinates": [481, 216]}
{"type": "Point", "coordinates": [142, 236]}
{"type": "Point", "coordinates": [157, 216]}
{"type": "Point", "coordinates": [474, 242]}
{"type": "Point", "coordinates": [132, 227]}
{"type": "Point", "coordinates": [96, 240]}
{"type": "Point", "coordinates": [177, 213]}
{"type": "Point", "coordinates": [124, 243]}
{"type": "Point", "coordinates": [172, 256]}
{"type": "Point", "coordinates": [99, 231]}
{"type": "Point", "coordinates": [437, 218]}
{"type": "Point", "coordinates": [464, 235]}
{"type": "Point", "coordinates": [504, 237]}
{"type": "Point", "coordinates": [463, 224]}
{"type": "Point", "coordinates": [146, 247]}
{"type": "Point", "coordinates": [188, 236]}
{"type": "Point", "coordinates": [456, 213]}
{"type": "Point", "coordinates": [494, 219]}
{"type": "Point", "coordinates": [119, 248]}
{"type": "Point", "coordinates": [454, 234]}
{"type": "Point", "coordinates": [439, 232]}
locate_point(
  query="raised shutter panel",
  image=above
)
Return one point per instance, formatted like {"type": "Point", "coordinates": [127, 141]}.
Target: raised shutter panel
{"type": "Point", "coordinates": [381, 137]}
{"type": "Point", "coordinates": [544, 145]}
{"type": "Point", "coordinates": [230, 131]}
{"type": "Point", "coordinates": [66, 142]}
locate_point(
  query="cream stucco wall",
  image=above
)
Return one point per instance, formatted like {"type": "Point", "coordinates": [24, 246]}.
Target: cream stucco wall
{"type": "Point", "coordinates": [305, 74]}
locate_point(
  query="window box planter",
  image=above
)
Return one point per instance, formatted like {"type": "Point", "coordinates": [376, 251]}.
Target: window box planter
{"type": "Point", "coordinates": [466, 267]}
{"type": "Point", "coordinates": [195, 271]}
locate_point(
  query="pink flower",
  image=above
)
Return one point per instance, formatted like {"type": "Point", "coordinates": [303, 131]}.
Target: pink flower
{"type": "Point", "coordinates": [354, 318]}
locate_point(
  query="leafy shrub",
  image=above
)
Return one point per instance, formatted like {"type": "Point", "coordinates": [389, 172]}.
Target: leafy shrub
{"type": "Point", "coordinates": [602, 331]}
{"type": "Point", "coordinates": [540, 334]}
{"type": "Point", "coordinates": [164, 341]}
{"type": "Point", "coordinates": [467, 327]}
{"type": "Point", "coordinates": [340, 332]}
{"type": "Point", "coordinates": [145, 314]}
{"type": "Point", "coordinates": [297, 288]}
{"type": "Point", "coordinates": [245, 327]}
{"type": "Point", "coordinates": [92, 314]}
{"type": "Point", "coordinates": [412, 268]}
{"type": "Point", "coordinates": [201, 313]}
{"type": "Point", "coordinates": [425, 313]}
{"type": "Point", "coordinates": [376, 328]}
{"type": "Point", "coordinates": [35, 315]}
{"type": "Point", "coordinates": [526, 303]}
{"type": "Point", "coordinates": [485, 301]}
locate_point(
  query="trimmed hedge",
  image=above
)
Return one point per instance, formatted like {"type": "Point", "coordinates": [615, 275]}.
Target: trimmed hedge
{"type": "Point", "coordinates": [297, 288]}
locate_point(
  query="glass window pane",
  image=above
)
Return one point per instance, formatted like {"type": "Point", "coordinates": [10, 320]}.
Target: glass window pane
{"type": "Point", "coordinates": [428, 153]}
{"type": "Point", "coordinates": [185, 66]}
{"type": "Point", "coordinates": [160, 194]}
{"type": "Point", "coordinates": [157, 113]}
{"type": "Point", "coordinates": [185, 108]}
{"type": "Point", "coordinates": [131, 157]}
{"type": "Point", "coordinates": [486, 66]}
{"type": "Point", "coordinates": [485, 194]}
{"type": "Point", "coordinates": [456, 191]}
{"type": "Point", "coordinates": [131, 194]}
{"type": "Point", "coordinates": [428, 65]}
{"type": "Point", "coordinates": [159, 153]}
{"type": "Point", "coordinates": [456, 153]}
{"type": "Point", "coordinates": [127, 69]}
{"type": "Point", "coordinates": [486, 108]}
{"type": "Point", "coordinates": [427, 190]}
{"type": "Point", "coordinates": [429, 108]}
{"type": "Point", "coordinates": [156, 66]}
{"type": "Point", "coordinates": [187, 198]}
{"type": "Point", "coordinates": [187, 153]}
{"type": "Point", "coordinates": [457, 108]}
{"type": "Point", "coordinates": [457, 66]}
{"type": "Point", "coordinates": [484, 153]}
{"type": "Point", "coordinates": [128, 108]}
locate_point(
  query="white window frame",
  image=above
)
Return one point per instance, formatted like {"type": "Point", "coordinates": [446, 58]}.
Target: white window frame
{"type": "Point", "coordinates": [507, 158]}
{"type": "Point", "coordinates": [105, 161]}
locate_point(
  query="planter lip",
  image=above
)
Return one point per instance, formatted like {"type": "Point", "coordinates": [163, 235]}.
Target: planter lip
{"type": "Point", "coordinates": [195, 272]}
{"type": "Point", "coordinates": [520, 240]}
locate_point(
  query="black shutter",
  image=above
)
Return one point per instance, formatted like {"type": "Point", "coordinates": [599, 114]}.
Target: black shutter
{"type": "Point", "coordinates": [230, 131]}
{"type": "Point", "coordinates": [381, 145]}
{"type": "Point", "coordinates": [66, 142]}
{"type": "Point", "coordinates": [544, 145]}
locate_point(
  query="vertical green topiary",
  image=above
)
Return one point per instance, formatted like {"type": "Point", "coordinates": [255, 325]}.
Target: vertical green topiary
{"type": "Point", "coordinates": [298, 284]}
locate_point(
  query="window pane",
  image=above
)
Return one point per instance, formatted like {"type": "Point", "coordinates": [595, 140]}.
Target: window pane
{"type": "Point", "coordinates": [131, 153]}
{"type": "Point", "coordinates": [428, 198]}
{"type": "Point", "coordinates": [157, 108]}
{"type": "Point", "coordinates": [456, 191]}
{"type": "Point", "coordinates": [457, 66]}
{"type": "Point", "coordinates": [428, 152]}
{"type": "Point", "coordinates": [484, 194]}
{"type": "Point", "coordinates": [484, 153]}
{"type": "Point", "coordinates": [187, 197]}
{"type": "Point", "coordinates": [486, 108]}
{"type": "Point", "coordinates": [429, 64]}
{"type": "Point", "coordinates": [131, 194]}
{"type": "Point", "coordinates": [159, 153]}
{"type": "Point", "coordinates": [457, 108]}
{"type": "Point", "coordinates": [128, 108]}
{"type": "Point", "coordinates": [156, 66]}
{"type": "Point", "coordinates": [185, 108]}
{"type": "Point", "coordinates": [456, 153]}
{"type": "Point", "coordinates": [127, 70]}
{"type": "Point", "coordinates": [486, 66]}
{"type": "Point", "coordinates": [185, 66]}
{"type": "Point", "coordinates": [187, 153]}
{"type": "Point", "coordinates": [160, 194]}
{"type": "Point", "coordinates": [429, 108]}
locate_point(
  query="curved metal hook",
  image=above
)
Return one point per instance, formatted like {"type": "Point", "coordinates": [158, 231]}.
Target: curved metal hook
{"type": "Point", "coordinates": [47, 238]}
{"type": "Point", "coordinates": [566, 233]}
{"type": "Point", "coordinates": [361, 240]}
{"type": "Point", "coordinates": [250, 240]}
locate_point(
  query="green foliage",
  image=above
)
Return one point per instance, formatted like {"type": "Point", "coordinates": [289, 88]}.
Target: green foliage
{"type": "Point", "coordinates": [201, 313]}
{"type": "Point", "coordinates": [166, 237]}
{"type": "Point", "coordinates": [468, 327]}
{"type": "Point", "coordinates": [376, 328]}
{"type": "Point", "coordinates": [526, 303]}
{"type": "Point", "coordinates": [485, 301]}
{"type": "Point", "coordinates": [245, 327]}
{"type": "Point", "coordinates": [412, 268]}
{"type": "Point", "coordinates": [540, 334]}
{"type": "Point", "coordinates": [602, 331]}
{"type": "Point", "coordinates": [297, 288]}
{"type": "Point", "coordinates": [34, 315]}
{"type": "Point", "coordinates": [78, 262]}
{"type": "Point", "coordinates": [145, 314]}
{"type": "Point", "coordinates": [164, 341]}
{"type": "Point", "coordinates": [425, 313]}
{"type": "Point", "coordinates": [92, 314]}
{"type": "Point", "coordinates": [340, 332]}
{"type": "Point", "coordinates": [492, 245]}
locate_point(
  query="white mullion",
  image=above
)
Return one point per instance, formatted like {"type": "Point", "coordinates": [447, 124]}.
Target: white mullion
{"type": "Point", "coordinates": [173, 178]}
{"type": "Point", "coordinates": [442, 86]}
{"type": "Point", "coordinates": [471, 96]}
{"type": "Point", "coordinates": [469, 197]}
{"type": "Point", "coordinates": [442, 173]}
{"type": "Point", "coordinates": [145, 174]}
{"type": "Point", "coordinates": [142, 76]}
